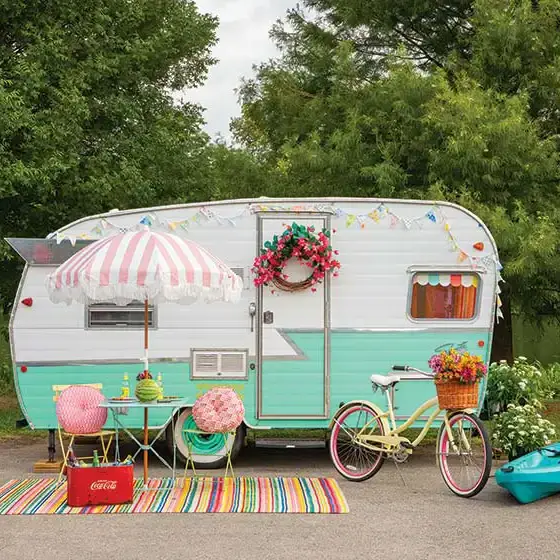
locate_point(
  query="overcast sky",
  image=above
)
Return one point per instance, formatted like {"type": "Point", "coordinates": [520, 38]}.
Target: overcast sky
{"type": "Point", "coordinates": [243, 41]}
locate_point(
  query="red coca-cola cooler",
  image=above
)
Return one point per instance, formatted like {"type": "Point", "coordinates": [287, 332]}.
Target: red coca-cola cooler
{"type": "Point", "coordinates": [105, 485]}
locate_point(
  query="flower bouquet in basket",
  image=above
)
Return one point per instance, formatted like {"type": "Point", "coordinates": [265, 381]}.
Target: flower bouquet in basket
{"type": "Point", "coordinates": [457, 377]}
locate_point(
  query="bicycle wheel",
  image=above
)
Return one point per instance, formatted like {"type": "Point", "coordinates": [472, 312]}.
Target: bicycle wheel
{"type": "Point", "coordinates": [351, 459]}
{"type": "Point", "coordinates": [465, 469]}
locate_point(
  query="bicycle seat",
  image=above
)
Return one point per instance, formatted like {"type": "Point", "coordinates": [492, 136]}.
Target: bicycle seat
{"type": "Point", "coordinates": [385, 380]}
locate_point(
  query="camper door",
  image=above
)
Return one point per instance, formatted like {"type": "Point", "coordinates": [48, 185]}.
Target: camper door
{"type": "Point", "coordinates": [292, 333]}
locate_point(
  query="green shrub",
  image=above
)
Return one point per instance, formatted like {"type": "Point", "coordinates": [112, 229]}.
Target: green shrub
{"type": "Point", "coordinates": [521, 429]}
{"type": "Point", "coordinates": [520, 383]}
{"type": "Point", "coordinates": [6, 374]}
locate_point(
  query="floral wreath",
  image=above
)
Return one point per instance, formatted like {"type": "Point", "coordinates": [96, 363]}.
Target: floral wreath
{"type": "Point", "coordinates": [312, 250]}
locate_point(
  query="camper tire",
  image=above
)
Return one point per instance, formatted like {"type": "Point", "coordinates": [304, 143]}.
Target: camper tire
{"type": "Point", "coordinates": [211, 448]}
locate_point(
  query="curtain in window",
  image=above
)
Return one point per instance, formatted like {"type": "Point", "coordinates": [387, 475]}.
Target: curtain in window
{"type": "Point", "coordinates": [444, 296]}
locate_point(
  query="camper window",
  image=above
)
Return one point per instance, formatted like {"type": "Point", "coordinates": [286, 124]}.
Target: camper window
{"type": "Point", "coordinates": [112, 316]}
{"type": "Point", "coordinates": [438, 295]}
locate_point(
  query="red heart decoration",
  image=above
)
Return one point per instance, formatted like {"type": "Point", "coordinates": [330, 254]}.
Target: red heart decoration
{"type": "Point", "coordinates": [27, 301]}
{"type": "Point", "coordinates": [479, 246]}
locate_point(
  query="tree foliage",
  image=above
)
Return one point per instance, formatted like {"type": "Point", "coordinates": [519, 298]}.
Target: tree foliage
{"type": "Point", "coordinates": [453, 100]}
{"type": "Point", "coordinates": [87, 121]}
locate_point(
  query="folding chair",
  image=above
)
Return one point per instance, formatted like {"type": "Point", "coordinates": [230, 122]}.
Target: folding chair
{"type": "Point", "coordinates": [227, 454]}
{"type": "Point", "coordinates": [99, 419]}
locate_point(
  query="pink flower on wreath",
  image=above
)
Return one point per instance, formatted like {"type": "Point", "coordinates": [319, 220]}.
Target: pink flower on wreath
{"type": "Point", "coordinates": [313, 252]}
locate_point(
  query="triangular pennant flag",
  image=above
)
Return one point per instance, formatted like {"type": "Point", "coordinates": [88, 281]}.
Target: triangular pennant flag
{"type": "Point", "coordinates": [431, 216]}
{"type": "Point", "coordinates": [350, 220]}
{"type": "Point", "coordinates": [462, 256]}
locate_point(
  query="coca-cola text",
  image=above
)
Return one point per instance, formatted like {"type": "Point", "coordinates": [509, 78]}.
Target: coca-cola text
{"type": "Point", "coordinates": [103, 485]}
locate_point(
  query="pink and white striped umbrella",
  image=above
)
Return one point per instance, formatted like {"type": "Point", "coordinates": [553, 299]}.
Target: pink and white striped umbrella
{"type": "Point", "coordinates": [143, 266]}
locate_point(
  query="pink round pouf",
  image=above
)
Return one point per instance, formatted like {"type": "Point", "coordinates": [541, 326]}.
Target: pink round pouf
{"type": "Point", "coordinates": [219, 410]}
{"type": "Point", "coordinates": [78, 410]}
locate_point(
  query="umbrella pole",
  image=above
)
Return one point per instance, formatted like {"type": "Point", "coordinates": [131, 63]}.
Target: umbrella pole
{"type": "Point", "coordinates": [146, 323]}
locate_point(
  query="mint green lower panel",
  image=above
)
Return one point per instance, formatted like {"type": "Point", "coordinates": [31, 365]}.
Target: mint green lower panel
{"type": "Point", "coordinates": [292, 387]}
{"type": "Point", "coordinates": [355, 356]}
{"type": "Point", "coordinates": [296, 387]}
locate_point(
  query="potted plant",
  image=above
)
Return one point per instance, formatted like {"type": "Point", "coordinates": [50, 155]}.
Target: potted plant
{"type": "Point", "coordinates": [457, 378]}
{"type": "Point", "coordinates": [520, 430]}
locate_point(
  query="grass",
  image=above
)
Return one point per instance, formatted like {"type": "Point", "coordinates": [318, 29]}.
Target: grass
{"type": "Point", "coordinates": [9, 413]}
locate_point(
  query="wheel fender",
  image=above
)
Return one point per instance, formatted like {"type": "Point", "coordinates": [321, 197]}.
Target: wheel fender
{"type": "Point", "coordinates": [175, 414]}
{"type": "Point", "coordinates": [378, 411]}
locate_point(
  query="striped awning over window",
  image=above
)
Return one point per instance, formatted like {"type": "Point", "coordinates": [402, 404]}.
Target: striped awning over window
{"type": "Point", "coordinates": [445, 279]}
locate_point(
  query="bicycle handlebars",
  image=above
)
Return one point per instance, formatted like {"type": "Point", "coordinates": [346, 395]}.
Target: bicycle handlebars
{"type": "Point", "coordinates": [410, 368]}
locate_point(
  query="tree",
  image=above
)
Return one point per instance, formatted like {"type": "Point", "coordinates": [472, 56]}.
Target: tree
{"type": "Point", "coordinates": [87, 121]}
{"type": "Point", "coordinates": [426, 117]}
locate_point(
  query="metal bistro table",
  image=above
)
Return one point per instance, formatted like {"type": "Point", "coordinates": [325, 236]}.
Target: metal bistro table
{"type": "Point", "coordinates": [117, 406]}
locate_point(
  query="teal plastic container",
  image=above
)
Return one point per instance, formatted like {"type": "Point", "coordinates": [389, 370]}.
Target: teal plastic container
{"type": "Point", "coordinates": [533, 476]}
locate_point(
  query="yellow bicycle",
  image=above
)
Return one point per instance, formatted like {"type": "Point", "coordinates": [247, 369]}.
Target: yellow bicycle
{"type": "Point", "coordinates": [363, 436]}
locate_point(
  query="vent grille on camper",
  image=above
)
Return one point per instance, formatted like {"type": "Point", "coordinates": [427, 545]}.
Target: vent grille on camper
{"type": "Point", "coordinates": [223, 364]}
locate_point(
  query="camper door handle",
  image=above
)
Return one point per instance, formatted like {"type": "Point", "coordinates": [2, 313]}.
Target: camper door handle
{"type": "Point", "coordinates": [252, 313]}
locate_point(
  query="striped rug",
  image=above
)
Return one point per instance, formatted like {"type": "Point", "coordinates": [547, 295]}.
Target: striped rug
{"type": "Point", "coordinates": [198, 495]}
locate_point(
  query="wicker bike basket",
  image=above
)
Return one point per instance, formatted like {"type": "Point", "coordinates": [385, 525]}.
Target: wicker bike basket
{"type": "Point", "coordinates": [453, 395]}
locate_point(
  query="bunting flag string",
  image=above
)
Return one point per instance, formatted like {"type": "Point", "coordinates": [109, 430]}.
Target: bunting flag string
{"type": "Point", "coordinates": [106, 227]}
{"type": "Point", "coordinates": [433, 217]}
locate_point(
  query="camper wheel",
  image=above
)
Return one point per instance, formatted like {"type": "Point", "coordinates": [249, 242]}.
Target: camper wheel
{"type": "Point", "coordinates": [207, 450]}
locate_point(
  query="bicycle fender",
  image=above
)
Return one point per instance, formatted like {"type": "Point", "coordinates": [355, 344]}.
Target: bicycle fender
{"type": "Point", "coordinates": [382, 415]}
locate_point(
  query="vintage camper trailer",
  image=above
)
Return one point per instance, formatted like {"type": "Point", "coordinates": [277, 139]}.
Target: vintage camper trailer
{"type": "Point", "coordinates": [415, 277]}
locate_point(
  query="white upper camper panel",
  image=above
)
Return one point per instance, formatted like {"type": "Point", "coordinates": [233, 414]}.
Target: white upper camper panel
{"type": "Point", "coordinates": [378, 256]}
